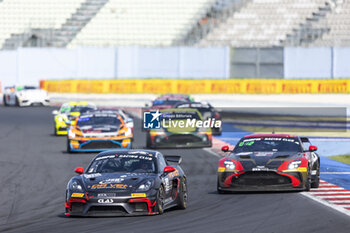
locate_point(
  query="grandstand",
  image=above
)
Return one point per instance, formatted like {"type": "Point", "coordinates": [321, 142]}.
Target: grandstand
{"type": "Point", "coordinates": [262, 23]}
{"type": "Point", "coordinates": [237, 23]}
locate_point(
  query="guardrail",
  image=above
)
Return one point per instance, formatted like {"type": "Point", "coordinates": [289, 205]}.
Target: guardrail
{"type": "Point", "coordinates": [205, 86]}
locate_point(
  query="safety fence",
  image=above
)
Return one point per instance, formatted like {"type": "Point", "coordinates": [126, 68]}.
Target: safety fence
{"type": "Point", "coordinates": [205, 86]}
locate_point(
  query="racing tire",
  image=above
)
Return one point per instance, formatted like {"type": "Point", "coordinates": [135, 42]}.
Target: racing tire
{"type": "Point", "coordinates": [4, 101]}
{"type": "Point", "coordinates": [17, 102]}
{"type": "Point", "coordinates": [316, 182]}
{"type": "Point", "coordinates": [308, 180]}
{"type": "Point", "coordinates": [219, 190]}
{"type": "Point", "coordinates": [69, 150]}
{"type": "Point", "coordinates": [55, 130]}
{"type": "Point", "coordinates": [160, 200]}
{"type": "Point", "coordinates": [182, 198]}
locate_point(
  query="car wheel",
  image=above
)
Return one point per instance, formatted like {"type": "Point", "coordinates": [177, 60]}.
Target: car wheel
{"type": "Point", "coordinates": [69, 150]}
{"type": "Point", "coordinates": [17, 102]}
{"type": "Point", "coordinates": [160, 200]}
{"type": "Point", "coordinates": [219, 190]}
{"type": "Point", "coordinates": [55, 130]}
{"type": "Point", "coordinates": [308, 180]}
{"type": "Point", "coordinates": [182, 198]}
{"type": "Point", "coordinates": [4, 101]}
{"type": "Point", "coordinates": [316, 182]}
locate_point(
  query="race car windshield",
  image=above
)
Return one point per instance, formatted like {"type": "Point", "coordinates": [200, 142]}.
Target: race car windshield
{"type": "Point", "coordinates": [88, 121]}
{"type": "Point", "coordinates": [166, 102]}
{"type": "Point", "coordinates": [125, 163]}
{"type": "Point", "coordinates": [20, 88]}
{"type": "Point", "coordinates": [77, 108]}
{"type": "Point", "coordinates": [268, 144]}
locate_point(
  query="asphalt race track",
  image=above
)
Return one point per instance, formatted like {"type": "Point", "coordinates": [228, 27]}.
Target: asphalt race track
{"type": "Point", "coordinates": [35, 169]}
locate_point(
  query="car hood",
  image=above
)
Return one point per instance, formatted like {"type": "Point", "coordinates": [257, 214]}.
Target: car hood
{"type": "Point", "coordinates": [114, 181]}
{"type": "Point", "coordinates": [99, 130]}
{"type": "Point", "coordinates": [270, 160]}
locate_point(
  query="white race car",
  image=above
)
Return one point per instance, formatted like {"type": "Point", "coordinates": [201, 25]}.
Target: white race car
{"type": "Point", "coordinates": [25, 96]}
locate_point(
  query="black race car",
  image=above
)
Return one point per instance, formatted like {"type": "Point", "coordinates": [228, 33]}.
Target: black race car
{"type": "Point", "coordinates": [269, 162]}
{"type": "Point", "coordinates": [207, 111]}
{"type": "Point", "coordinates": [168, 101]}
{"type": "Point", "coordinates": [127, 182]}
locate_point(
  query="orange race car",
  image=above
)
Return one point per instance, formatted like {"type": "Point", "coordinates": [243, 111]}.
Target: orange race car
{"type": "Point", "coordinates": [98, 131]}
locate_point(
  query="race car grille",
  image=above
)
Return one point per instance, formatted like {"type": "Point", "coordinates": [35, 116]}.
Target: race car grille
{"type": "Point", "coordinates": [71, 118]}
{"type": "Point", "coordinates": [183, 138]}
{"type": "Point", "coordinates": [100, 145]}
{"type": "Point", "coordinates": [109, 209]}
{"type": "Point", "coordinates": [261, 179]}
{"type": "Point", "coordinates": [77, 207]}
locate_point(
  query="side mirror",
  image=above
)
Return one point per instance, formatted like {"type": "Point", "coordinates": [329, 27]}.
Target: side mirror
{"type": "Point", "coordinates": [225, 148]}
{"type": "Point", "coordinates": [312, 148]}
{"type": "Point", "coordinates": [54, 112]}
{"type": "Point", "coordinates": [79, 170]}
{"type": "Point", "coordinates": [146, 105]}
{"type": "Point", "coordinates": [169, 169]}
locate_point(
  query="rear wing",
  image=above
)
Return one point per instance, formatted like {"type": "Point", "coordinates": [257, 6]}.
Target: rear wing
{"type": "Point", "coordinates": [173, 158]}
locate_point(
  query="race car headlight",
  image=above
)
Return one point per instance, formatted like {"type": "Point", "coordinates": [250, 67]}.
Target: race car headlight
{"type": "Point", "coordinates": [230, 165]}
{"type": "Point", "coordinates": [128, 133]}
{"type": "Point", "coordinates": [145, 186]}
{"type": "Point", "coordinates": [75, 186]}
{"type": "Point", "coordinates": [294, 165]}
{"type": "Point", "coordinates": [71, 134]}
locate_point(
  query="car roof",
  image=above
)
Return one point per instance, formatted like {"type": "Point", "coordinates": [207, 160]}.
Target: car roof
{"type": "Point", "coordinates": [270, 135]}
{"type": "Point", "coordinates": [124, 151]}
{"type": "Point", "coordinates": [78, 103]}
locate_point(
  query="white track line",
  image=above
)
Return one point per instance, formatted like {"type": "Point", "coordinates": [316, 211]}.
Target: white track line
{"type": "Point", "coordinates": [340, 201]}
{"type": "Point", "coordinates": [340, 193]}
{"type": "Point", "coordinates": [326, 203]}
{"type": "Point", "coordinates": [336, 173]}
{"type": "Point", "coordinates": [320, 189]}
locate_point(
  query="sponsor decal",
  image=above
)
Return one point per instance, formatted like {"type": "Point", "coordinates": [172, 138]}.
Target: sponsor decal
{"type": "Point", "coordinates": [136, 157]}
{"type": "Point", "coordinates": [94, 175]}
{"type": "Point", "coordinates": [77, 195]}
{"type": "Point", "coordinates": [106, 195]}
{"type": "Point", "coordinates": [110, 181]}
{"type": "Point", "coordinates": [174, 173]}
{"type": "Point", "coordinates": [260, 168]}
{"type": "Point", "coordinates": [138, 194]}
{"type": "Point", "coordinates": [98, 186]}
{"type": "Point", "coordinates": [221, 169]}
{"type": "Point", "coordinates": [106, 157]}
{"type": "Point", "coordinates": [105, 201]}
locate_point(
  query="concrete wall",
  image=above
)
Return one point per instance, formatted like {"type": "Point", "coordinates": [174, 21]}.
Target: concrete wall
{"type": "Point", "coordinates": [29, 65]}
{"type": "Point", "coordinates": [316, 63]}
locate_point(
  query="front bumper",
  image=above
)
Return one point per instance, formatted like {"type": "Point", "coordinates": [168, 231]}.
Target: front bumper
{"type": "Point", "coordinates": [261, 181]}
{"type": "Point", "coordinates": [95, 145]}
{"type": "Point", "coordinates": [29, 102]}
{"type": "Point", "coordinates": [61, 129]}
{"type": "Point", "coordinates": [91, 205]}
{"type": "Point", "coordinates": [180, 141]}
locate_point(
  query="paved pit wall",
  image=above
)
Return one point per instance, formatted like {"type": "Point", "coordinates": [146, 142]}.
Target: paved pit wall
{"type": "Point", "coordinates": [201, 86]}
